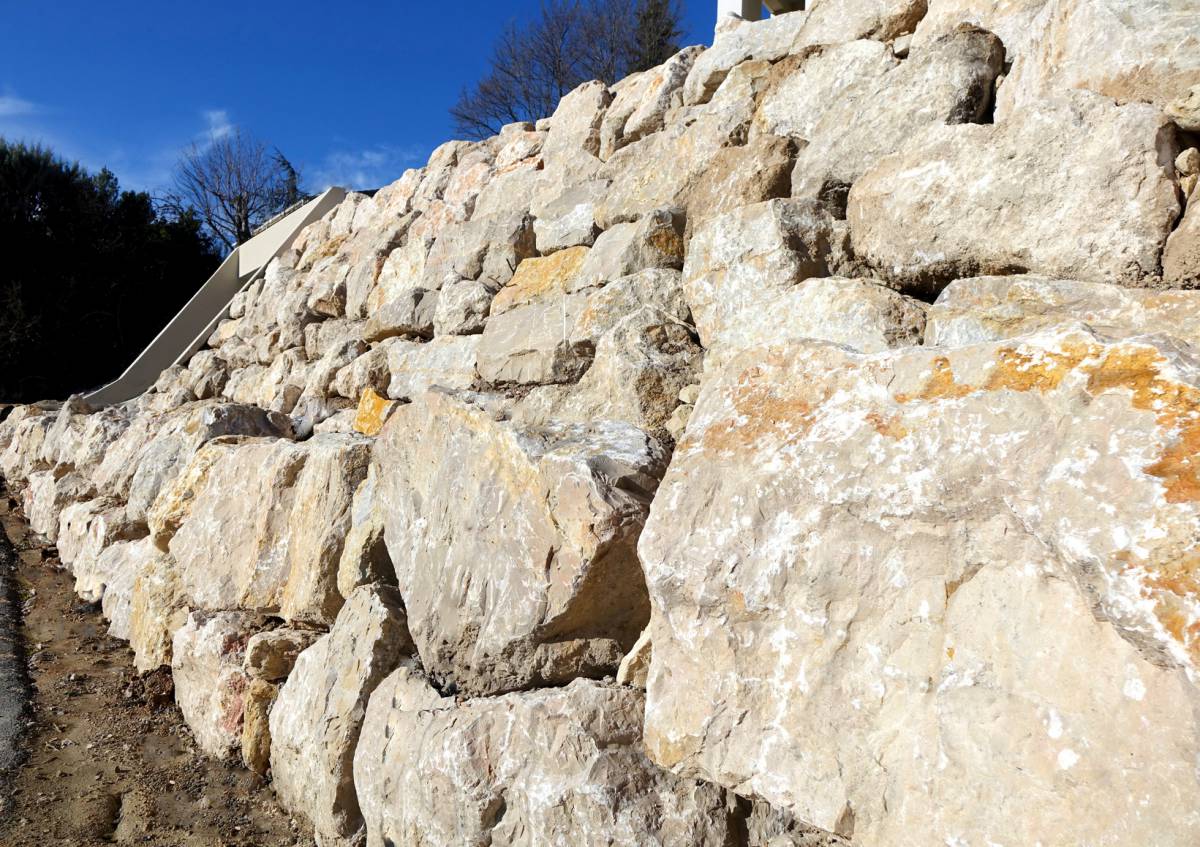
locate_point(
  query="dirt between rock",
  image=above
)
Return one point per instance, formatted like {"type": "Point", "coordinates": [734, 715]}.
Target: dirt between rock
{"type": "Point", "coordinates": [107, 757]}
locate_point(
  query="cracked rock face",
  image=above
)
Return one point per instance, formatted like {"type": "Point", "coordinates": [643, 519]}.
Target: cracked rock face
{"type": "Point", "coordinates": [908, 596]}
{"type": "Point", "coordinates": [563, 766]}
{"type": "Point", "coordinates": [315, 722]}
{"type": "Point", "coordinates": [267, 529]}
{"type": "Point", "coordinates": [892, 294]}
{"type": "Point", "coordinates": [761, 274]}
{"type": "Point", "coordinates": [514, 547]}
{"type": "Point", "coordinates": [1076, 188]}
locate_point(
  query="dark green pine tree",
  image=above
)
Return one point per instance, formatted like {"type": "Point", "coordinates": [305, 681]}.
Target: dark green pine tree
{"type": "Point", "coordinates": [658, 33]}
{"type": "Point", "coordinates": [90, 274]}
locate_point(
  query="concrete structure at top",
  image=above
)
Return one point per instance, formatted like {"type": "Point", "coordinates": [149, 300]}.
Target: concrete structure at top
{"type": "Point", "coordinates": [751, 10]}
{"type": "Point", "coordinates": [188, 330]}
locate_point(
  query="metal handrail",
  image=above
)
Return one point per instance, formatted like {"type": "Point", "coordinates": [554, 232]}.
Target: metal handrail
{"type": "Point", "coordinates": [188, 331]}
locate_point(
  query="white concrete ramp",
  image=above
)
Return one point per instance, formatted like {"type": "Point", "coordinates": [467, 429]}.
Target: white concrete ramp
{"type": "Point", "coordinates": [196, 321]}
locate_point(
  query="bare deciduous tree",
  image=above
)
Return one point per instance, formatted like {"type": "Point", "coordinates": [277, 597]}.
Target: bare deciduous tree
{"type": "Point", "coordinates": [569, 43]}
{"type": "Point", "coordinates": [234, 183]}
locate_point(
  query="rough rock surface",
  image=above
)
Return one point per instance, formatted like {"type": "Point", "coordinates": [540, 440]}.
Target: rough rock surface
{"type": "Point", "coordinates": [317, 717]}
{"type": "Point", "coordinates": [210, 684]}
{"type": "Point", "coordinates": [365, 557]}
{"type": "Point", "coordinates": [563, 766]}
{"type": "Point", "coordinates": [949, 82]}
{"type": "Point", "coordinates": [267, 530]}
{"type": "Point", "coordinates": [1181, 259]}
{"type": "Point", "coordinates": [1075, 188]}
{"type": "Point", "coordinates": [158, 609]}
{"type": "Point", "coordinates": [994, 308]}
{"type": "Point", "coordinates": [514, 548]}
{"type": "Point", "coordinates": [762, 273]}
{"type": "Point", "coordinates": [916, 569]}
{"type": "Point", "coordinates": [854, 557]}
{"type": "Point", "coordinates": [1148, 51]}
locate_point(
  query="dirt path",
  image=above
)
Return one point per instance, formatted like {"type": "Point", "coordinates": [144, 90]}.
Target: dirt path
{"type": "Point", "coordinates": [109, 759]}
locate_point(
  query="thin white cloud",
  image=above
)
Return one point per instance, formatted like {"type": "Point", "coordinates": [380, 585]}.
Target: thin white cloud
{"type": "Point", "coordinates": [219, 125]}
{"type": "Point", "coordinates": [12, 106]}
{"type": "Point", "coordinates": [368, 168]}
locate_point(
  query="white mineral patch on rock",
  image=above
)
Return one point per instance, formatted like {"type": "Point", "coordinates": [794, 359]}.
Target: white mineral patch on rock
{"type": "Point", "coordinates": [857, 562]}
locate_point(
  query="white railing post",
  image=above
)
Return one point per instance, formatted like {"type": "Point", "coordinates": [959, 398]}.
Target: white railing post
{"type": "Point", "coordinates": [747, 10]}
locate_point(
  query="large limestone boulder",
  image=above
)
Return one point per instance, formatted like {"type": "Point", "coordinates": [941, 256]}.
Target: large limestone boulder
{"type": "Point", "coordinates": [73, 524]}
{"type": "Point", "coordinates": [121, 564]}
{"type": "Point", "coordinates": [527, 339]}
{"type": "Point", "coordinates": [316, 719]}
{"type": "Point", "coordinates": [1140, 52]}
{"type": "Point", "coordinates": [463, 307]}
{"type": "Point", "coordinates": [410, 315]}
{"type": "Point", "coordinates": [1075, 188]}
{"type": "Point", "coordinates": [559, 766]}
{"type": "Point", "coordinates": [642, 103]}
{"type": "Point", "coordinates": [267, 529]}
{"type": "Point", "coordinates": [80, 435]}
{"type": "Point", "coordinates": [175, 500]}
{"type": "Point", "coordinates": [656, 240]}
{"type": "Point", "coordinates": [664, 168]}
{"type": "Point", "coordinates": [959, 577]}
{"type": "Point", "coordinates": [271, 655]}
{"type": "Point", "coordinates": [572, 145]}
{"type": "Point", "coordinates": [514, 547]}
{"type": "Point", "coordinates": [318, 524]}
{"type": "Point", "coordinates": [488, 247]}
{"type": "Point", "coordinates": [569, 220]}
{"type": "Point", "coordinates": [1014, 21]}
{"type": "Point", "coordinates": [210, 684]}
{"type": "Point", "coordinates": [768, 40]}
{"type": "Point", "coordinates": [993, 308]}
{"type": "Point", "coordinates": [742, 175]}
{"type": "Point", "coordinates": [449, 362]}
{"type": "Point", "coordinates": [231, 547]}
{"type": "Point", "coordinates": [50, 492]}
{"type": "Point", "coordinates": [150, 453]}
{"type": "Point", "coordinates": [837, 21]}
{"type": "Point", "coordinates": [885, 101]}
{"type": "Point", "coordinates": [640, 364]}
{"type": "Point", "coordinates": [365, 557]}
{"type": "Point", "coordinates": [552, 336]}
{"type": "Point", "coordinates": [761, 274]}
{"type": "Point", "coordinates": [24, 431]}
{"type": "Point", "coordinates": [98, 560]}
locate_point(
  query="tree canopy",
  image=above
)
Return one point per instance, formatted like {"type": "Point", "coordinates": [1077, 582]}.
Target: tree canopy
{"type": "Point", "coordinates": [90, 275]}
{"type": "Point", "coordinates": [570, 42]}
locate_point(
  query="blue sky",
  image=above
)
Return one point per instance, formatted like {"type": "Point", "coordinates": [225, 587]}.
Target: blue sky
{"type": "Point", "coordinates": [353, 91]}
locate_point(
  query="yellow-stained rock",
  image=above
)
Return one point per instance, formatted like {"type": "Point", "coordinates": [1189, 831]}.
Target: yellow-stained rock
{"type": "Point", "coordinates": [175, 500]}
{"type": "Point", "coordinates": [158, 609]}
{"type": "Point", "coordinates": [256, 729]}
{"type": "Point", "coordinates": [535, 278]}
{"type": "Point", "coordinates": [373, 410]}
{"type": "Point", "coordinates": [854, 556]}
